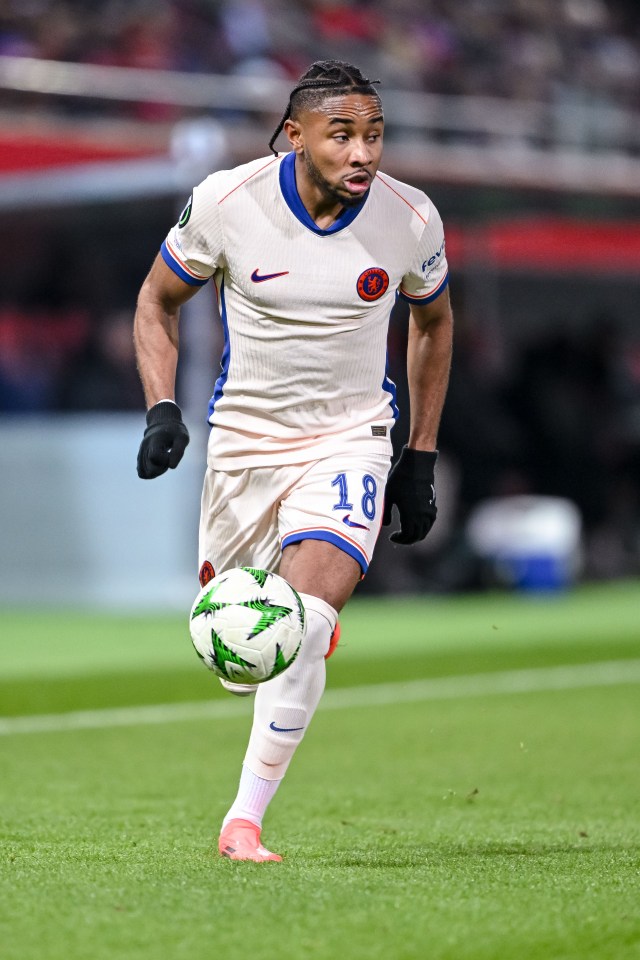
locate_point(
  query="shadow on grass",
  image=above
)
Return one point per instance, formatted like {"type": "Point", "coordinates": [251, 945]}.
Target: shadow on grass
{"type": "Point", "coordinates": [403, 855]}
{"type": "Point", "coordinates": [59, 694]}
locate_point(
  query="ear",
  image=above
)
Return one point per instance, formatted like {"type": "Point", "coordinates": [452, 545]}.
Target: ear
{"type": "Point", "coordinates": [293, 132]}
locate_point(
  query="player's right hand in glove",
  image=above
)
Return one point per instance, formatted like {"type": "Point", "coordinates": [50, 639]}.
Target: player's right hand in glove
{"type": "Point", "coordinates": [164, 441]}
{"type": "Point", "coordinates": [411, 488]}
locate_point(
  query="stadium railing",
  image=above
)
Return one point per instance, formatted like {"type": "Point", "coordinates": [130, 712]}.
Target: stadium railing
{"type": "Point", "coordinates": [569, 144]}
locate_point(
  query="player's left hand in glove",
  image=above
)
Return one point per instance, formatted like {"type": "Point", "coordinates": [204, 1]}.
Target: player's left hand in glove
{"type": "Point", "coordinates": [411, 488]}
{"type": "Point", "coordinates": [164, 441]}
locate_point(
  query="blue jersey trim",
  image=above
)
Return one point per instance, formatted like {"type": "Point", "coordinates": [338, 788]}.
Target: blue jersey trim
{"type": "Point", "coordinates": [177, 269]}
{"type": "Point", "coordinates": [226, 355]}
{"type": "Point", "coordinates": [345, 545]}
{"type": "Point", "coordinates": [389, 387]}
{"type": "Point", "coordinates": [290, 193]}
{"type": "Point", "coordinates": [433, 296]}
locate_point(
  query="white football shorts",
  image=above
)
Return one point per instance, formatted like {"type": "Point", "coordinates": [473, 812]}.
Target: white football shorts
{"type": "Point", "coordinates": [249, 516]}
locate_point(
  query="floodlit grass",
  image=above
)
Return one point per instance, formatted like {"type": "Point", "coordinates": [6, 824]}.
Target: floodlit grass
{"type": "Point", "coordinates": [57, 662]}
{"type": "Point", "coordinates": [475, 829]}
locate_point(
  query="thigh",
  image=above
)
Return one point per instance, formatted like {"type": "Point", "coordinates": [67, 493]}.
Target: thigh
{"type": "Point", "coordinates": [321, 569]}
{"type": "Point", "coordinates": [337, 501]}
{"type": "Point", "coordinates": [239, 519]}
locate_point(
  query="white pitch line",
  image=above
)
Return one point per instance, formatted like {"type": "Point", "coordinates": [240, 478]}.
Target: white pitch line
{"type": "Point", "coordinates": [607, 673]}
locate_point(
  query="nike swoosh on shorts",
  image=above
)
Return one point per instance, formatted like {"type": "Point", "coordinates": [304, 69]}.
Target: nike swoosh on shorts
{"type": "Point", "coordinates": [351, 523]}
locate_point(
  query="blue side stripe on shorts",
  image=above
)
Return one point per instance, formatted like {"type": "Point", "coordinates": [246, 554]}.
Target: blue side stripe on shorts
{"type": "Point", "coordinates": [345, 545]}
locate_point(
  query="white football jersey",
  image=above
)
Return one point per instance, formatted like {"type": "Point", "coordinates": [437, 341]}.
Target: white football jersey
{"type": "Point", "coordinates": [305, 311]}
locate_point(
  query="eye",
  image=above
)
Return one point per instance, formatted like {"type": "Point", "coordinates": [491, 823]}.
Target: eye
{"type": "Point", "coordinates": [341, 137]}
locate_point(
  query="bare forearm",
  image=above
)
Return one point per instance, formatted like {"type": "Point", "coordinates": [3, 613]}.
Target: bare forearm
{"type": "Point", "coordinates": [428, 365]}
{"type": "Point", "coordinates": [156, 331]}
{"type": "Point", "coordinates": [156, 342]}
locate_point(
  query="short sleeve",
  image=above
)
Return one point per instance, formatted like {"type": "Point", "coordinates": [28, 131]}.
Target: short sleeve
{"type": "Point", "coordinates": [428, 274]}
{"type": "Point", "coordinates": [194, 247]}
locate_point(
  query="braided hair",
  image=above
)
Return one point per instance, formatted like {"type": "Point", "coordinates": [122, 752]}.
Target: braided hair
{"type": "Point", "coordinates": [324, 77]}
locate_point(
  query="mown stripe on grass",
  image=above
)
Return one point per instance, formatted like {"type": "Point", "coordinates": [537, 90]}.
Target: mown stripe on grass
{"type": "Point", "coordinates": [543, 679]}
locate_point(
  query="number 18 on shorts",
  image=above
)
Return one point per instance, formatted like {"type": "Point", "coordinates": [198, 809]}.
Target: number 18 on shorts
{"type": "Point", "coordinates": [341, 503]}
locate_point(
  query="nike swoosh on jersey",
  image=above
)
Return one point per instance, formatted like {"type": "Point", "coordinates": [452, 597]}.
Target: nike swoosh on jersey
{"type": "Point", "coordinates": [255, 276]}
{"type": "Point", "coordinates": [351, 523]}
{"type": "Point", "coordinates": [272, 726]}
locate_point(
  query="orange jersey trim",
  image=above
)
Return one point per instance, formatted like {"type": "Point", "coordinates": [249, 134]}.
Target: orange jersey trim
{"type": "Point", "coordinates": [250, 177]}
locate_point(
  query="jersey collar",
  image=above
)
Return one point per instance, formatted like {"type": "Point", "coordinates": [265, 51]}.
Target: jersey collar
{"type": "Point", "coordinates": [290, 193]}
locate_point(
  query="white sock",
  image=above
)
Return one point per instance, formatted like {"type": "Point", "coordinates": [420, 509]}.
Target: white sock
{"type": "Point", "coordinates": [254, 796]}
{"type": "Point", "coordinates": [282, 712]}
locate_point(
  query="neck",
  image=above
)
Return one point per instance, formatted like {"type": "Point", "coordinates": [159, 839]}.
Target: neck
{"type": "Point", "coordinates": [323, 209]}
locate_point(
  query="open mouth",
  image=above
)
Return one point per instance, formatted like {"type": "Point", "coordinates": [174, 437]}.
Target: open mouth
{"type": "Point", "coordinates": [358, 182]}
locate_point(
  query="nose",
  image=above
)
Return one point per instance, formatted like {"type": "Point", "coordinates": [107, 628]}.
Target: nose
{"type": "Point", "coordinates": [360, 153]}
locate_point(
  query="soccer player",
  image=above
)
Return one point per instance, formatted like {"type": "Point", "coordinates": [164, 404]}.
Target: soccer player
{"type": "Point", "coordinates": [307, 251]}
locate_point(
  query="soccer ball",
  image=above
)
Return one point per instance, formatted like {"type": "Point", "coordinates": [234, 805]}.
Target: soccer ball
{"type": "Point", "coordinates": [247, 625]}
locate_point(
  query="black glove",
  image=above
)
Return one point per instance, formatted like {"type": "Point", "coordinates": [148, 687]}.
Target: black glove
{"type": "Point", "coordinates": [410, 487]}
{"type": "Point", "coordinates": [164, 441]}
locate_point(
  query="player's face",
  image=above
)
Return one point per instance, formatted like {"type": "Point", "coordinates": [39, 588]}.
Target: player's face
{"type": "Point", "coordinates": [340, 144]}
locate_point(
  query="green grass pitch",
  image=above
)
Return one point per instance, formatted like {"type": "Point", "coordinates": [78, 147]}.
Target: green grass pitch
{"type": "Point", "coordinates": [418, 822]}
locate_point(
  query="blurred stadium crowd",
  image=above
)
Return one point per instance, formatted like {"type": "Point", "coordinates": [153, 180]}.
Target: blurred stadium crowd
{"type": "Point", "coordinates": [528, 49]}
{"type": "Point", "coordinates": [562, 417]}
